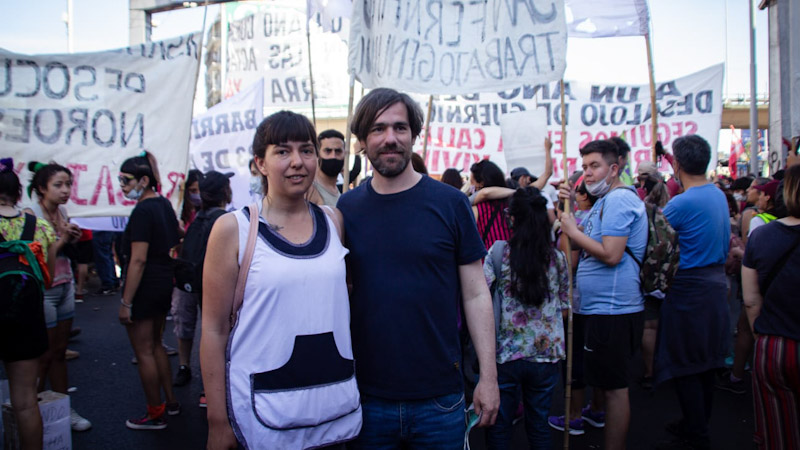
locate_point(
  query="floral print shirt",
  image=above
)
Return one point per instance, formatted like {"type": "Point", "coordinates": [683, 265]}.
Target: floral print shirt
{"type": "Point", "coordinates": [535, 334]}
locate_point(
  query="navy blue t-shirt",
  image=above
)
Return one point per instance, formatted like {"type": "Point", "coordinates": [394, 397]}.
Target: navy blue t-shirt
{"type": "Point", "coordinates": [405, 249]}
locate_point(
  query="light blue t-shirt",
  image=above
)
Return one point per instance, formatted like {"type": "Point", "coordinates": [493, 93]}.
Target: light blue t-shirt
{"type": "Point", "coordinates": [607, 290]}
{"type": "Point", "coordinates": [701, 217]}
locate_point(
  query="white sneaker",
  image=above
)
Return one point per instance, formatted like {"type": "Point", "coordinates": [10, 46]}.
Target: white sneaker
{"type": "Point", "coordinates": [78, 423]}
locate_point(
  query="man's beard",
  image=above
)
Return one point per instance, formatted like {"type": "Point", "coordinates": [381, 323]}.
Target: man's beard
{"type": "Point", "coordinates": [390, 170]}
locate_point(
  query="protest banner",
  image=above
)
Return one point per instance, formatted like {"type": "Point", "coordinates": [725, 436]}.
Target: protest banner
{"type": "Point", "coordinates": [466, 128]}
{"type": "Point", "coordinates": [268, 40]}
{"type": "Point", "coordinates": [435, 47]}
{"type": "Point", "coordinates": [91, 111]}
{"type": "Point", "coordinates": [606, 18]}
{"type": "Point", "coordinates": [222, 139]}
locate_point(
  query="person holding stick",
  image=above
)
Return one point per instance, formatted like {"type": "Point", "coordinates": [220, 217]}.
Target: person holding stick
{"type": "Point", "coordinates": [609, 284]}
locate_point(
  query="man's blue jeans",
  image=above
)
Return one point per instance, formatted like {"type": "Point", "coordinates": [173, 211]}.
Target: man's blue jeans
{"type": "Point", "coordinates": [436, 424]}
{"type": "Point", "coordinates": [537, 382]}
{"type": "Point", "coordinates": [103, 241]}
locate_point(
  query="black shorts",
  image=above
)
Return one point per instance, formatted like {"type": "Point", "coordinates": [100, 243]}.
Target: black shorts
{"type": "Point", "coordinates": [85, 255]}
{"type": "Point", "coordinates": [652, 308]}
{"type": "Point", "coordinates": [23, 333]}
{"type": "Point", "coordinates": [610, 343]}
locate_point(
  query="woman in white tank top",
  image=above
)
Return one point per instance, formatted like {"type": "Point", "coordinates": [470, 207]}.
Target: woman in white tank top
{"type": "Point", "coordinates": [280, 374]}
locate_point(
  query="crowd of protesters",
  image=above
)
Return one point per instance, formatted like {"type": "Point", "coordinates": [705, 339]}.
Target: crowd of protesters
{"type": "Point", "coordinates": [377, 317]}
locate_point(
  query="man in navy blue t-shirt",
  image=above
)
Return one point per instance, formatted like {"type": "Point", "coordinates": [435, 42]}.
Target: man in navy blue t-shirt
{"type": "Point", "coordinates": [415, 252]}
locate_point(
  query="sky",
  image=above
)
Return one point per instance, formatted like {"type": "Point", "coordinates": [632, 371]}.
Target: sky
{"type": "Point", "coordinates": [687, 36]}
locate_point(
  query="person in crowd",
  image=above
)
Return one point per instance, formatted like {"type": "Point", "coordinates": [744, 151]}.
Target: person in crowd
{"type": "Point", "coordinates": [495, 192]}
{"type": "Point", "coordinates": [750, 210]}
{"type": "Point", "coordinates": [522, 177]}
{"type": "Point", "coordinates": [653, 191]}
{"type": "Point", "coordinates": [693, 325]}
{"type": "Point", "coordinates": [419, 164]}
{"type": "Point", "coordinates": [405, 326]}
{"type": "Point", "coordinates": [489, 214]}
{"type": "Point", "coordinates": [739, 189]}
{"type": "Point", "coordinates": [609, 285]}
{"type": "Point", "coordinates": [331, 162]}
{"type": "Point", "coordinates": [534, 289]}
{"type": "Point", "coordinates": [765, 205]}
{"type": "Point", "coordinates": [624, 150]}
{"type": "Point", "coordinates": [453, 178]}
{"type": "Point", "coordinates": [152, 231]}
{"type": "Point", "coordinates": [83, 256]}
{"type": "Point", "coordinates": [216, 194]}
{"type": "Point", "coordinates": [255, 186]}
{"type": "Point", "coordinates": [769, 284]}
{"type": "Point", "coordinates": [23, 332]}
{"type": "Point", "coordinates": [583, 204]}
{"type": "Point", "coordinates": [102, 249]}
{"type": "Point", "coordinates": [191, 198]}
{"type": "Point", "coordinates": [652, 188]}
{"type": "Point", "coordinates": [281, 374]}
{"type": "Point", "coordinates": [52, 185]}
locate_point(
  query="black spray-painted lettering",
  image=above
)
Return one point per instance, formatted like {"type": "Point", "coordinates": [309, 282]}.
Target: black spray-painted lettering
{"type": "Point", "coordinates": [47, 126]}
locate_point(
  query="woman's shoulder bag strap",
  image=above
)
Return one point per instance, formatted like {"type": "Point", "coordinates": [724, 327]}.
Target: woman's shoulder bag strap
{"type": "Point", "coordinates": [244, 268]}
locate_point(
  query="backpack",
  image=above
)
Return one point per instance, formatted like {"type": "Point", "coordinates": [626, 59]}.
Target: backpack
{"type": "Point", "coordinates": [189, 264]}
{"type": "Point", "coordinates": [22, 278]}
{"type": "Point", "coordinates": [662, 255]}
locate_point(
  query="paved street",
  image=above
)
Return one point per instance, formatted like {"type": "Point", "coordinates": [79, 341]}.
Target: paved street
{"type": "Point", "coordinates": [108, 393]}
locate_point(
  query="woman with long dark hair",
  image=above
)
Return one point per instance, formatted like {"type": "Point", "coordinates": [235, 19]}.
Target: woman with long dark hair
{"type": "Point", "coordinates": [191, 198]}
{"type": "Point", "coordinates": [151, 233]}
{"type": "Point", "coordinates": [489, 214]}
{"type": "Point", "coordinates": [50, 189]}
{"type": "Point", "coordinates": [533, 282]}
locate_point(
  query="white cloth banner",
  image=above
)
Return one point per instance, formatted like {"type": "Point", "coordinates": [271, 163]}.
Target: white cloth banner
{"type": "Point", "coordinates": [435, 47]}
{"type": "Point", "coordinates": [268, 40]}
{"type": "Point", "coordinates": [329, 14]}
{"type": "Point", "coordinates": [607, 18]}
{"type": "Point", "coordinates": [466, 129]}
{"type": "Point", "coordinates": [91, 111]}
{"type": "Point", "coordinates": [222, 139]}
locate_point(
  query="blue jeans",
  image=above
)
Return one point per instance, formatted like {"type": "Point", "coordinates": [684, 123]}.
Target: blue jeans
{"type": "Point", "coordinates": [436, 423]}
{"type": "Point", "coordinates": [537, 382]}
{"type": "Point", "coordinates": [103, 242]}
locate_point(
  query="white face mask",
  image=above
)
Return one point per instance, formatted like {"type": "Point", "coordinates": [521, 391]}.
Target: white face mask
{"type": "Point", "coordinates": [134, 194]}
{"type": "Point", "coordinates": [255, 185]}
{"type": "Point", "coordinates": [739, 197]}
{"type": "Point", "coordinates": [599, 188]}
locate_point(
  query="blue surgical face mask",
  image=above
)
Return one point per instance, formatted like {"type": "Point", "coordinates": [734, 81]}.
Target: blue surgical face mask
{"type": "Point", "coordinates": [255, 185]}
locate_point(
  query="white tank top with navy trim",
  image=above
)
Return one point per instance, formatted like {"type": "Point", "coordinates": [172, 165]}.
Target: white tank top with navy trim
{"type": "Point", "coordinates": [290, 370]}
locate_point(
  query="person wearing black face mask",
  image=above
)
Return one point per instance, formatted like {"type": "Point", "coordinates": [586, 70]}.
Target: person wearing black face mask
{"type": "Point", "coordinates": [331, 162]}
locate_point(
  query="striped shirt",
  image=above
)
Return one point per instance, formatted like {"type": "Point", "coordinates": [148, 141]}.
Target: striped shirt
{"type": "Point", "coordinates": [492, 224]}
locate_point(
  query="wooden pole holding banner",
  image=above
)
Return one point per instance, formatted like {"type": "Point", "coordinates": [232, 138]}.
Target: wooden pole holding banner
{"type": "Point", "coordinates": [567, 209]}
{"type": "Point", "coordinates": [427, 128]}
{"type": "Point", "coordinates": [653, 105]}
{"type": "Point", "coordinates": [347, 135]}
{"type": "Point", "coordinates": [311, 74]}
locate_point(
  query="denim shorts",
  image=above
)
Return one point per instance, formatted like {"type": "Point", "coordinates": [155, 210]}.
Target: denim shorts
{"type": "Point", "coordinates": [59, 304]}
{"type": "Point", "coordinates": [184, 313]}
{"type": "Point", "coordinates": [436, 423]}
